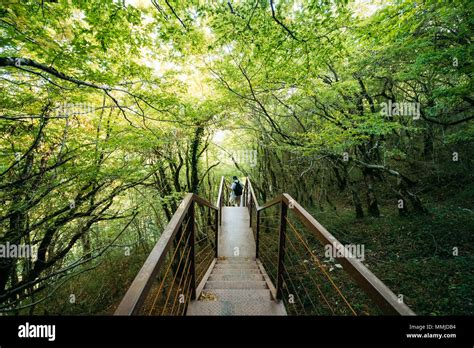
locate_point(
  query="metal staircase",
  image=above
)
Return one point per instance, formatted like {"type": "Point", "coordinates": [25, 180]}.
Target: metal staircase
{"type": "Point", "coordinates": [253, 260]}
{"type": "Point", "coordinates": [236, 286]}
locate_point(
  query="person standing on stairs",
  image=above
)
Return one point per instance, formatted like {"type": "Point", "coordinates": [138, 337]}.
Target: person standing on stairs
{"type": "Point", "coordinates": [236, 192]}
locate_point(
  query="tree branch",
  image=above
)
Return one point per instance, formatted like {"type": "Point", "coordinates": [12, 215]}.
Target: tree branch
{"type": "Point", "coordinates": [175, 14]}
{"type": "Point", "coordinates": [272, 6]}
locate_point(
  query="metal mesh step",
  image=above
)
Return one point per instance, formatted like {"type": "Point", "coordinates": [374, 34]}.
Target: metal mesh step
{"type": "Point", "coordinates": [236, 277]}
{"type": "Point", "coordinates": [236, 308]}
{"type": "Point", "coordinates": [236, 294]}
{"type": "Point", "coordinates": [236, 266]}
{"type": "Point", "coordinates": [235, 271]}
{"type": "Point", "coordinates": [235, 285]}
{"type": "Point", "coordinates": [236, 302]}
{"type": "Point", "coordinates": [236, 259]}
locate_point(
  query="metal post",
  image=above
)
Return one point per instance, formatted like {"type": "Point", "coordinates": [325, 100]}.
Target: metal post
{"type": "Point", "coordinates": [250, 212]}
{"type": "Point", "coordinates": [257, 234]}
{"type": "Point", "coordinates": [192, 252]}
{"type": "Point", "coordinates": [246, 193]}
{"type": "Point", "coordinates": [281, 250]}
{"type": "Point", "coordinates": [245, 196]}
{"type": "Point", "coordinates": [220, 211]}
{"type": "Point", "coordinates": [217, 233]}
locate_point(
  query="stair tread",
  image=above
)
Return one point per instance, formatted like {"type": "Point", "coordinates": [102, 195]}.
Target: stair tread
{"type": "Point", "coordinates": [236, 260]}
{"type": "Point", "coordinates": [237, 277]}
{"type": "Point", "coordinates": [235, 306]}
{"type": "Point", "coordinates": [235, 266]}
{"type": "Point", "coordinates": [235, 271]}
{"type": "Point", "coordinates": [228, 284]}
{"type": "Point", "coordinates": [228, 294]}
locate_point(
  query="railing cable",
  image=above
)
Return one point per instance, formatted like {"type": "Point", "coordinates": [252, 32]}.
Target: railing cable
{"type": "Point", "coordinates": [315, 258]}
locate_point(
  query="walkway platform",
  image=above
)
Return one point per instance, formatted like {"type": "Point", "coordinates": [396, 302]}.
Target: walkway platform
{"type": "Point", "coordinates": [236, 285]}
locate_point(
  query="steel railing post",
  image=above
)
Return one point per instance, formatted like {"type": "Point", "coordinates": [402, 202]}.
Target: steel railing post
{"type": "Point", "coordinates": [281, 250]}
{"type": "Point", "coordinates": [250, 212]}
{"type": "Point", "coordinates": [216, 232]}
{"type": "Point", "coordinates": [257, 234]}
{"type": "Point", "coordinates": [220, 211]}
{"type": "Point", "coordinates": [192, 251]}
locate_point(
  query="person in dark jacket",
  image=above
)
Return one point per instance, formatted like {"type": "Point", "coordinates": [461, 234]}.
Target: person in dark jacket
{"type": "Point", "coordinates": [236, 191]}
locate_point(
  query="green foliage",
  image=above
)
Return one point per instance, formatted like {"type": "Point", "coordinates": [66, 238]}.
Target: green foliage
{"type": "Point", "coordinates": [301, 83]}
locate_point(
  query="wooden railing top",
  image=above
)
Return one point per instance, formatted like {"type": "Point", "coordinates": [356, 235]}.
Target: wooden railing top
{"type": "Point", "coordinates": [221, 191]}
{"type": "Point", "coordinates": [270, 203]}
{"type": "Point", "coordinates": [386, 300]}
{"type": "Point", "coordinates": [202, 201]}
{"type": "Point", "coordinates": [137, 292]}
{"type": "Point", "coordinates": [252, 193]}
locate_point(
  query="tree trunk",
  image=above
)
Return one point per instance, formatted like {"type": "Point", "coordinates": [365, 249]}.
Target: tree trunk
{"type": "Point", "coordinates": [195, 159]}
{"type": "Point", "coordinates": [372, 203]}
{"type": "Point", "coordinates": [357, 203]}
